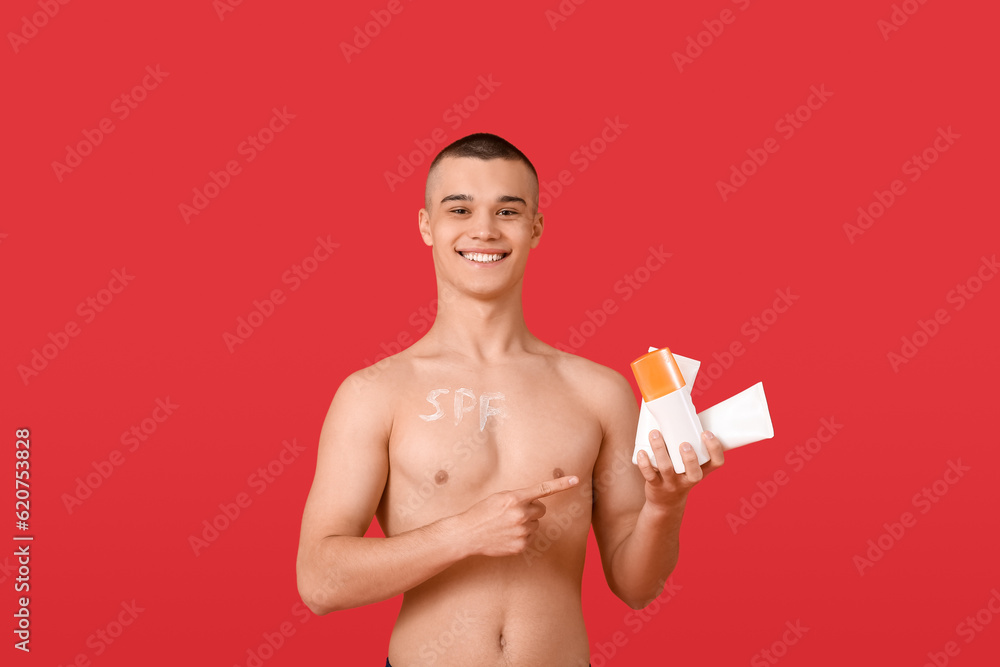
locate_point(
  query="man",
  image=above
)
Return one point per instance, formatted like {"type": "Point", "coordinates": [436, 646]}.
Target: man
{"type": "Point", "coordinates": [486, 455]}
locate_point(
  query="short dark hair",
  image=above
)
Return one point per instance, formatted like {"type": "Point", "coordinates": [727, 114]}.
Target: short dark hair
{"type": "Point", "coordinates": [483, 146]}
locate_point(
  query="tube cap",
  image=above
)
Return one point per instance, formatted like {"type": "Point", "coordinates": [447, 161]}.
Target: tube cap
{"type": "Point", "coordinates": [657, 374]}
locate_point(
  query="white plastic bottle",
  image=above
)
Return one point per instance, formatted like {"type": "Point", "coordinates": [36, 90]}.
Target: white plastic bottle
{"type": "Point", "coordinates": [661, 384]}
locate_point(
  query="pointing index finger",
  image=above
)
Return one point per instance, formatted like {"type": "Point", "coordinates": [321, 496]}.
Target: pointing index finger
{"type": "Point", "coordinates": [549, 487]}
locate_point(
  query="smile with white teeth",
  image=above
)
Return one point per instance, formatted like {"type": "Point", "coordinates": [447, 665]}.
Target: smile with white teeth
{"type": "Point", "coordinates": [483, 258]}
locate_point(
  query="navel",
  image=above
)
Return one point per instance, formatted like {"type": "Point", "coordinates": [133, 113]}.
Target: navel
{"type": "Point", "coordinates": [441, 477]}
{"type": "Point", "coordinates": [557, 473]}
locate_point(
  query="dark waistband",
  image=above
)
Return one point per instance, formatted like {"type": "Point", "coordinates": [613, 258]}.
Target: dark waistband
{"type": "Point", "coordinates": [387, 663]}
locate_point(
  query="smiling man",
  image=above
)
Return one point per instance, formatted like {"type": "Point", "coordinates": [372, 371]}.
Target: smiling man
{"type": "Point", "coordinates": [486, 455]}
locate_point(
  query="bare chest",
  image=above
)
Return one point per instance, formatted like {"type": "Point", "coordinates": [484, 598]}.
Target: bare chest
{"type": "Point", "coordinates": [456, 440]}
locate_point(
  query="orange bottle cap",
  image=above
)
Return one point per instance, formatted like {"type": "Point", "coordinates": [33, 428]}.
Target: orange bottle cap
{"type": "Point", "coordinates": [657, 374]}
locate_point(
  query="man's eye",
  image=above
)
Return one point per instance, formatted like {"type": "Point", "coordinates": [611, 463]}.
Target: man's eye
{"type": "Point", "coordinates": [459, 210]}
{"type": "Point", "coordinates": [507, 212]}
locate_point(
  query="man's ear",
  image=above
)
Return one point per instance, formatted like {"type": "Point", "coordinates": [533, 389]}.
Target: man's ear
{"type": "Point", "coordinates": [424, 224]}
{"type": "Point", "coordinates": [536, 229]}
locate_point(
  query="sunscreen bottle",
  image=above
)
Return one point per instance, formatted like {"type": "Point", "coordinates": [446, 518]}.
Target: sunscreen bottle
{"type": "Point", "coordinates": [662, 387]}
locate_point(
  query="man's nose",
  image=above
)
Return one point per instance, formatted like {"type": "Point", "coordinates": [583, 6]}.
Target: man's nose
{"type": "Point", "coordinates": [484, 226]}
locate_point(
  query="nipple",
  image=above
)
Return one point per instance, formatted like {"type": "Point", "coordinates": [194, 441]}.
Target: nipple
{"type": "Point", "coordinates": [557, 473]}
{"type": "Point", "coordinates": [441, 477]}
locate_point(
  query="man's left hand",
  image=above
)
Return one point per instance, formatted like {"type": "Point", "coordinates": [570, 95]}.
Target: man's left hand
{"type": "Point", "coordinates": [667, 489]}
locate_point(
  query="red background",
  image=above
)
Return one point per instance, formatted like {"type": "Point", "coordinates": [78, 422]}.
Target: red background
{"type": "Point", "coordinates": [656, 184]}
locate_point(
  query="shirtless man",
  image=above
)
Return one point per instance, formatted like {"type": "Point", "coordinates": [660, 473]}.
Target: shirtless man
{"type": "Point", "coordinates": [486, 455]}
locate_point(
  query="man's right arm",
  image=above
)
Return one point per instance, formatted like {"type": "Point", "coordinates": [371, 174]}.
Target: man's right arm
{"type": "Point", "coordinates": [337, 567]}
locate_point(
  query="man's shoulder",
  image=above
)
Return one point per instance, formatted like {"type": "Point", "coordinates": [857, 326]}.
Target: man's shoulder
{"type": "Point", "coordinates": [596, 378]}
{"type": "Point", "coordinates": [379, 376]}
{"type": "Point", "coordinates": [364, 400]}
{"type": "Point", "coordinates": [605, 392]}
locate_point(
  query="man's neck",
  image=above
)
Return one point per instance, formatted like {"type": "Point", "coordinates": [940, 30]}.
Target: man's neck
{"type": "Point", "coordinates": [481, 329]}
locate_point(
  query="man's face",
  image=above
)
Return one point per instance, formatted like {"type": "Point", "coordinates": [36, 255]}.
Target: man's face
{"type": "Point", "coordinates": [481, 220]}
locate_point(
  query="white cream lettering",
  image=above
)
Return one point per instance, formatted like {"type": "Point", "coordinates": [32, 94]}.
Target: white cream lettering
{"type": "Point", "coordinates": [486, 410]}
{"type": "Point", "coordinates": [462, 406]}
{"type": "Point", "coordinates": [432, 399]}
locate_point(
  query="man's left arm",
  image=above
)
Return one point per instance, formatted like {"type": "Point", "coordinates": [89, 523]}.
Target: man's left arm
{"type": "Point", "coordinates": [638, 509]}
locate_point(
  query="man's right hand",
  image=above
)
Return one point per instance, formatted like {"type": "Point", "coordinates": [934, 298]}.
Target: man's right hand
{"type": "Point", "coordinates": [503, 523]}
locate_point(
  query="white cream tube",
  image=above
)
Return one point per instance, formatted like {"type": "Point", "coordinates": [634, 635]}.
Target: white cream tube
{"type": "Point", "coordinates": [689, 369]}
{"type": "Point", "coordinates": [741, 419]}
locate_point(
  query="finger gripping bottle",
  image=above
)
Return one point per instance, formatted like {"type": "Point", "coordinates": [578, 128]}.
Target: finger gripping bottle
{"type": "Point", "coordinates": [661, 384]}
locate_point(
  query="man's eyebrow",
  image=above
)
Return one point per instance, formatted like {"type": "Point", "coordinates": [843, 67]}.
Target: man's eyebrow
{"type": "Point", "coordinates": [506, 199]}
{"type": "Point", "coordinates": [502, 199]}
